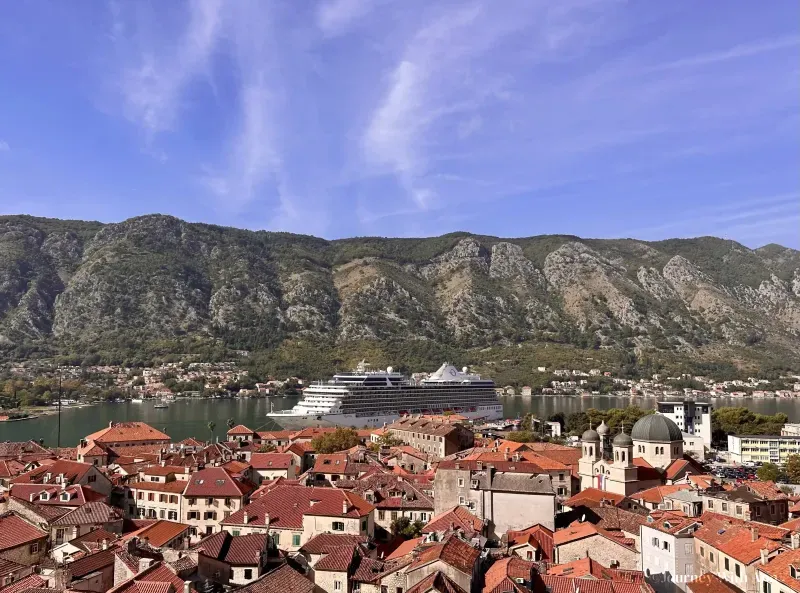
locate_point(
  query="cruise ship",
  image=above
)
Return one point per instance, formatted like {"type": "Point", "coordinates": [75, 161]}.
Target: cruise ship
{"type": "Point", "coordinates": [376, 397]}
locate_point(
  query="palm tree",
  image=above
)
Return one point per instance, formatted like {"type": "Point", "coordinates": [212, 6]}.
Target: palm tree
{"type": "Point", "coordinates": [211, 426]}
{"type": "Point", "coordinates": [231, 423]}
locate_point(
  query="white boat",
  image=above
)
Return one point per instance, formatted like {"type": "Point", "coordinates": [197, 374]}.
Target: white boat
{"type": "Point", "coordinates": [374, 398]}
{"type": "Point", "coordinates": [137, 400]}
{"type": "Point", "coordinates": [160, 406]}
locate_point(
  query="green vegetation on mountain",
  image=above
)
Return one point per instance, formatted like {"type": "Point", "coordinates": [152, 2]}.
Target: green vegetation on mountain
{"type": "Point", "coordinates": [155, 288]}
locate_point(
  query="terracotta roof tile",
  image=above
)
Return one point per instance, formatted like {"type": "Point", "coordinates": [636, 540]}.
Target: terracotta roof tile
{"type": "Point", "coordinates": [436, 581]}
{"type": "Point", "coordinates": [123, 432]}
{"type": "Point", "coordinates": [337, 560]}
{"type": "Point", "coordinates": [405, 548]}
{"type": "Point", "coordinates": [537, 535]}
{"type": "Point", "coordinates": [161, 532]}
{"type": "Point", "coordinates": [172, 487]}
{"type": "Point", "coordinates": [453, 551]}
{"type": "Point", "coordinates": [591, 497]}
{"type": "Point", "coordinates": [735, 538]}
{"type": "Point", "coordinates": [283, 579]}
{"type": "Point", "coordinates": [779, 568]}
{"type": "Point", "coordinates": [271, 460]}
{"type": "Point", "coordinates": [157, 573]}
{"type": "Point", "coordinates": [216, 482]}
{"type": "Point", "coordinates": [458, 517]}
{"type": "Point", "coordinates": [72, 470]}
{"type": "Point", "coordinates": [92, 563]}
{"type": "Point", "coordinates": [505, 572]}
{"type": "Point", "coordinates": [16, 531]}
{"type": "Point", "coordinates": [656, 495]}
{"type": "Point", "coordinates": [92, 513]}
{"type": "Point", "coordinates": [29, 582]}
{"type": "Point", "coordinates": [241, 429]}
{"type": "Point", "coordinates": [709, 583]}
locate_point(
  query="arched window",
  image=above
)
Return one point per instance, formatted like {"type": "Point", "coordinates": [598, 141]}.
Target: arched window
{"type": "Point", "coordinates": [623, 456]}
{"type": "Point", "coordinates": [616, 455]}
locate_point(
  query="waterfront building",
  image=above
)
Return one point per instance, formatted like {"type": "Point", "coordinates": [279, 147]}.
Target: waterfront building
{"type": "Point", "coordinates": [692, 417]}
{"type": "Point", "coordinates": [436, 438]}
{"type": "Point", "coordinates": [667, 548]}
{"type": "Point", "coordinates": [762, 448]}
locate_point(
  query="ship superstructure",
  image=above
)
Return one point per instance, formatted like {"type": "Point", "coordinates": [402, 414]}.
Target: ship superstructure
{"type": "Point", "coordinates": [367, 397]}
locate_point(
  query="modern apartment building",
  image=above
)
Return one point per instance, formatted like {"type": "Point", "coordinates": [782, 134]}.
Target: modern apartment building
{"type": "Point", "coordinates": [773, 449]}
{"type": "Point", "coordinates": [692, 417]}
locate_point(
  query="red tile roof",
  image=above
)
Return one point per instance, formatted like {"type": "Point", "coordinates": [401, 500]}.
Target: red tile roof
{"type": "Point", "coordinates": [502, 575]}
{"type": "Point", "coordinates": [793, 524]}
{"type": "Point", "coordinates": [656, 495]}
{"type": "Point", "coordinates": [77, 495]}
{"type": "Point", "coordinates": [436, 581]}
{"type": "Point", "coordinates": [458, 517]}
{"type": "Point", "coordinates": [172, 487]}
{"type": "Point", "coordinates": [242, 430]}
{"type": "Point", "coordinates": [163, 470]}
{"type": "Point", "coordinates": [537, 535]}
{"type": "Point", "coordinates": [236, 550]}
{"type": "Point", "coordinates": [405, 548]}
{"type": "Point", "coordinates": [590, 497]}
{"type": "Point", "coordinates": [161, 532]}
{"type": "Point", "coordinates": [92, 563]}
{"type": "Point", "coordinates": [216, 482]}
{"type": "Point", "coordinates": [283, 579]}
{"type": "Point", "coordinates": [92, 513]}
{"type": "Point", "coordinates": [10, 468]}
{"type": "Point", "coordinates": [558, 584]}
{"type": "Point", "coordinates": [73, 471]}
{"type": "Point", "coordinates": [587, 567]}
{"type": "Point", "coordinates": [16, 531]}
{"type": "Point", "coordinates": [525, 467]}
{"type": "Point", "coordinates": [271, 460]}
{"type": "Point", "coordinates": [766, 490]}
{"type": "Point", "coordinates": [709, 583]}
{"type": "Point", "coordinates": [33, 581]}
{"type": "Point", "coordinates": [578, 531]}
{"type": "Point", "coordinates": [453, 551]}
{"type": "Point", "coordinates": [337, 560]}
{"type": "Point", "coordinates": [286, 505]}
{"type": "Point", "coordinates": [779, 568]}
{"type": "Point", "coordinates": [736, 538]}
{"type": "Point", "coordinates": [147, 580]}
{"type": "Point", "coordinates": [125, 432]}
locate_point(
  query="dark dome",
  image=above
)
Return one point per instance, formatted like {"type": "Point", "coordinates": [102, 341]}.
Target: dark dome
{"type": "Point", "coordinates": [590, 436]}
{"type": "Point", "coordinates": [623, 440]}
{"type": "Point", "coordinates": [656, 428]}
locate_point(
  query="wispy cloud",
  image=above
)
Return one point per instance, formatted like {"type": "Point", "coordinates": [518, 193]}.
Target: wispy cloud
{"type": "Point", "coordinates": [4, 146]}
{"type": "Point", "coordinates": [335, 17]}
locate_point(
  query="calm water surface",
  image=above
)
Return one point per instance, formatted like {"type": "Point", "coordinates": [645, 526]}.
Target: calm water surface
{"type": "Point", "coordinates": [185, 418]}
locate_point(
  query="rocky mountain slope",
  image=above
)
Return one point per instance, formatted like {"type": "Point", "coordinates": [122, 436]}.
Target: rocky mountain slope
{"type": "Point", "coordinates": [156, 277]}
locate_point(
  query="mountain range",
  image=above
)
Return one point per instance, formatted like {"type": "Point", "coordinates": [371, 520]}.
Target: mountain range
{"type": "Point", "coordinates": [78, 284]}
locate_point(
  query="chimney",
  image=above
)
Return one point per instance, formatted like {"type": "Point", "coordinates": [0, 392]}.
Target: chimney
{"type": "Point", "coordinates": [111, 424]}
{"type": "Point", "coordinates": [105, 544]}
{"type": "Point", "coordinates": [345, 506]}
{"type": "Point", "coordinates": [144, 563]}
{"type": "Point", "coordinates": [187, 587]}
{"type": "Point", "coordinates": [245, 518]}
{"type": "Point", "coordinates": [764, 554]}
{"type": "Point", "coordinates": [753, 534]}
{"type": "Point", "coordinates": [795, 538]}
{"type": "Point", "coordinates": [186, 469]}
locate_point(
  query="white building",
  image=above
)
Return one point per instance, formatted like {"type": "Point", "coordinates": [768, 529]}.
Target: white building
{"type": "Point", "coordinates": [790, 430]}
{"type": "Point", "coordinates": [773, 449]}
{"type": "Point", "coordinates": [667, 548]}
{"type": "Point", "coordinates": [691, 417]}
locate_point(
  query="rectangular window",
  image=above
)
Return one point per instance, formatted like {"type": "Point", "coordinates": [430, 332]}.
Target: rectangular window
{"type": "Point", "coordinates": [295, 539]}
{"type": "Point", "coordinates": [767, 587]}
{"type": "Point", "coordinates": [711, 556]}
{"type": "Point", "coordinates": [724, 507]}
{"type": "Point", "coordinates": [381, 515]}
{"type": "Point", "coordinates": [461, 482]}
{"type": "Point", "coordinates": [337, 526]}
{"type": "Point", "coordinates": [394, 515]}
{"type": "Point", "coordinates": [738, 509]}
{"type": "Point", "coordinates": [423, 516]}
{"type": "Point", "coordinates": [235, 532]}
{"type": "Point", "coordinates": [172, 515]}
{"type": "Point", "coordinates": [666, 546]}
{"type": "Point", "coordinates": [151, 496]}
{"type": "Point", "coordinates": [711, 504]}
{"type": "Point", "coordinates": [655, 542]}
{"type": "Point", "coordinates": [276, 537]}
{"type": "Point", "coordinates": [34, 548]}
{"type": "Point", "coordinates": [738, 570]}
{"type": "Point", "coordinates": [248, 573]}
{"type": "Point", "coordinates": [727, 564]}
{"type": "Point", "coordinates": [337, 585]}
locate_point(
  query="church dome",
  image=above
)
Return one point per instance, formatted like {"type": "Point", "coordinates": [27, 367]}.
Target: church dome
{"type": "Point", "coordinates": [622, 440]}
{"type": "Point", "coordinates": [602, 429]}
{"type": "Point", "coordinates": [656, 428]}
{"type": "Point", "coordinates": [590, 436]}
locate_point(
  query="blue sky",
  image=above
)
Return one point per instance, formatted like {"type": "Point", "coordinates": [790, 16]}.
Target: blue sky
{"type": "Point", "coordinates": [404, 118]}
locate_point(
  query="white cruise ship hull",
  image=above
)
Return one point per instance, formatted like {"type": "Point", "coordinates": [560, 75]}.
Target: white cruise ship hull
{"type": "Point", "coordinates": [292, 419]}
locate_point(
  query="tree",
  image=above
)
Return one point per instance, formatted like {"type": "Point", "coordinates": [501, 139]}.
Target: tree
{"type": "Point", "coordinates": [231, 423]}
{"type": "Point", "coordinates": [403, 527]}
{"type": "Point", "coordinates": [387, 440]}
{"type": "Point", "coordinates": [211, 426]}
{"type": "Point", "coordinates": [769, 472]}
{"type": "Point", "coordinates": [267, 448]}
{"type": "Point", "coordinates": [793, 468]}
{"type": "Point", "coordinates": [340, 439]}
